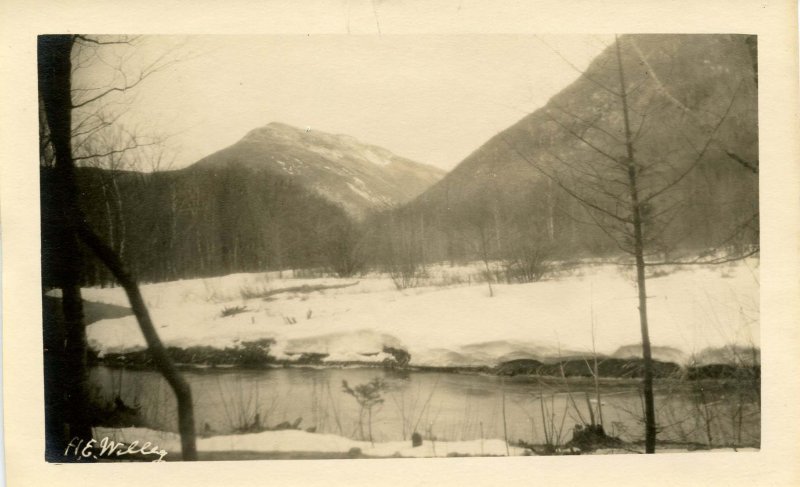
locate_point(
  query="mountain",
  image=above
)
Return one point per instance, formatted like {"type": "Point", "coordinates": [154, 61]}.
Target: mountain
{"type": "Point", "coordinates": [359, 177]}
{"type": "Point", "coordinates": [693, 110]}
{"type": "Point", "coordinates": [279, 198]}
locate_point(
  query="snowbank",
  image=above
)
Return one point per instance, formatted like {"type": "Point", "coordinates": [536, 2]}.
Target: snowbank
{"type": "Point", "coordinates": [690, 310]}
{"type": "Point", "coordinates": [296, 441]}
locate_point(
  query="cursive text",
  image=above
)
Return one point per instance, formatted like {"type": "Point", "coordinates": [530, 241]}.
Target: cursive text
{"type": "Point", "coordinates": [111, 449]}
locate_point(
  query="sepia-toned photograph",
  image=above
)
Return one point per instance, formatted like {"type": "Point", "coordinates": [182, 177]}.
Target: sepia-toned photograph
{"type": "Point", "coordinates": [399, 246]}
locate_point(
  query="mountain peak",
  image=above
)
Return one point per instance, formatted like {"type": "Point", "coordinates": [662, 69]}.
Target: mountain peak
{"type": "Point", "coordinates": [273, 129]}
{"type": "Point", "coordinates": [321, 142]}
{"type": "Point", "coordinates": [356, 175]}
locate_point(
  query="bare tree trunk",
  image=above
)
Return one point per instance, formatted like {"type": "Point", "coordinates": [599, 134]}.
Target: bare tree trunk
{"type": "Point", "coordinates": [498, 241]}
{"type": "Point", "coordinates": [173, 233]}
{"type": "Point", "coordinates": [650, 419]}
{"type": "Point", "coordinates": [448, 227]}
{"type": "Point", "coordinates": [369, 425]}
{"type": "Point", "coordinates": [120, 218]}
{"type": "Point", "coordinates": [109, 214]}
{"type": "Point", "coordinates": [596, 368]}
{"type": "Point", "coordinates": [505, 424]}
{"type": "Point", "coordinates": [361, 424]}
{"type": "Point", "coordinates": [162, 361]}
{"type": "Point", "coordinates": [550, 211]}
{"type": "Point", "coordinates": [54, 86]}
{"type": "Point", "coordinates": [485, 257]}
{"type": "Point", "coordinates": [75, 351]}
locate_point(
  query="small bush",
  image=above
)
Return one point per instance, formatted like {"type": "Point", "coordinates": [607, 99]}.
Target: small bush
{"type": "Point", "coordinates": [255, 354]}
{"type": "Point", "coordinates": [528, 262]}
{"type": "Point", "coordinates": [406, 275]}
{"type": "Point", "coordinates": [232, 310]}
{"type": "Point", "coordinates": [590, 437]}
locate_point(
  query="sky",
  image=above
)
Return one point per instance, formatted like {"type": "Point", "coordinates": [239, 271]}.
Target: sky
{"type": "Point", "coordinates": [431, 98]}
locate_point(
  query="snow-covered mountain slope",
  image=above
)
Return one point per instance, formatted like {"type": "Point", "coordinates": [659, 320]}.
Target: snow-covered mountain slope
{"type": "Point", "coordinates": [358, 176]}
{"type": "Point", "coordinates": [691, 310]}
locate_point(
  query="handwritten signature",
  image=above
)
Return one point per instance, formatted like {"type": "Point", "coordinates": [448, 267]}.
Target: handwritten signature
{"type": "Point", "coordinates": [108, 448]}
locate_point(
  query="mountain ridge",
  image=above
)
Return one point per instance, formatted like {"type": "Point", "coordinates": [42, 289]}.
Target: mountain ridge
{"type": "Point", "coordinates": [359, 176]}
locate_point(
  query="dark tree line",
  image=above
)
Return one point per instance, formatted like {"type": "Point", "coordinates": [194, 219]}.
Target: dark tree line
{"type": "Point", "coordinates": [718, 205]}
{"type": "Point", "coordinates": [200, 222]}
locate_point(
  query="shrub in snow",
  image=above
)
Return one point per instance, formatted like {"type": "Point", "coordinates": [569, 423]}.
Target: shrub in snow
{"type": "Point", "coordinates": [232, 310]}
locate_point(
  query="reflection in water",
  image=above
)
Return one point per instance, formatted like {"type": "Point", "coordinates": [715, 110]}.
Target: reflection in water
{"type": "Point", "coordinates": [446, 406]}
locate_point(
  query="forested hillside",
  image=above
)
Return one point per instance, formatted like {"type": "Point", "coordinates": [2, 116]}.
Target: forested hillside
{"type": "Point", "coordinates": [207, 221]}
{"type": "Point", "coordinates": [692, 101]}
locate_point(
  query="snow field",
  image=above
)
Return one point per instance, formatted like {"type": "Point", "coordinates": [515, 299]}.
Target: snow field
{"type": "Point", "coordinates": [296, 441]}
{"type": "Point", "coordinates": [690, 309]}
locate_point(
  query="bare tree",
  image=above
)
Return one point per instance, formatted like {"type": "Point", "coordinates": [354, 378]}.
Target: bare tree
{"type": "Point", "coordinates": [629, 185]}
{"type": "Point", "coordinates": [343, 243]}
{"type": "Point", "coordinates": [481, 217]}
{"type": "Point", "coordinates": [105, 73]}
{"type": "Point", "coordinates": [403, 251]}
{"type": "Point", "coordinates": [56, 70]}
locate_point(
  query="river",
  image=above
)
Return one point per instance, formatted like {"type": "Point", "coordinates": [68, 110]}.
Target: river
{"type": "Point", "coordinates": [440, 405]}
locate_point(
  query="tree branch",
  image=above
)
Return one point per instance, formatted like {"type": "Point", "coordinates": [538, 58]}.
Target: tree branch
{"type": "Point", "coordinates": [589, 124]}
{"type": "Point", "coordinates": [89, 40]}
{"type": "Point", "coordinates": [561, 185]}
{"type": "Point", "coordinates": [109, 91]}
{"type": "Point", "coordinates": [749, 165]}
{"type": "Point", "coordinates": [582, 73]}
{"type": "Point", "coordinates": [699, 157]}
{"type": "Point", "coordinates": [659, 85]}
{"type": "Point", "coordinates": [113, 152]}
{"type": "Point", "coordinates": [583, 139]}
{"type": "Point", "coordinates": [154, 67]}
{"type": "Point", "coordinates": [699, 261]}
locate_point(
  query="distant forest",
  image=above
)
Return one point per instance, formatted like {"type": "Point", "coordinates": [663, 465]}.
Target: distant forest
{"type": "Point", "coordinates": [184, 224]}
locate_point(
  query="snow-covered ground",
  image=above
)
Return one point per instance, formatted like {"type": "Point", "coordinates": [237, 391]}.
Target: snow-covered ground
{"type": "Point", "coordinates": [445, 322]}
{"type": "Point", "coordinates": [296, 441]}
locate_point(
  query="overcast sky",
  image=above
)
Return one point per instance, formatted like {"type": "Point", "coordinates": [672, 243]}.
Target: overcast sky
{"type": "Point", "coordinates": [433, 99]}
